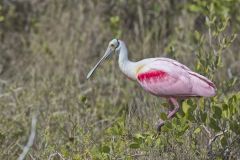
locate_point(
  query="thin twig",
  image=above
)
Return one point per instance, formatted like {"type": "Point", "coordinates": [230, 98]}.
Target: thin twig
{"type": "Point", "coordinates": [215, 137]}
{"type": "Point", "coordinates": [30, 139]}
{"type": "Point", "coordinates": [211, 140]}
{"type": "Point", "coordinates": [9, 93]}
{"type": "Point", "coordinates": [56, 154]}
{"type": "Point", "coordinates": [207, 131]}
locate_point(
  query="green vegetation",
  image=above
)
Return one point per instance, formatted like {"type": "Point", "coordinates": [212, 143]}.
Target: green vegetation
{"type": "Point", "coordinates": [48, 47]}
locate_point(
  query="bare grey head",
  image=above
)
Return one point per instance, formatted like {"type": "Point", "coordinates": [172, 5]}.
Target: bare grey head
{"type": "Point", "coordinates": [113, 47]}
{"type": "Point", "coordinates": [114, 44]}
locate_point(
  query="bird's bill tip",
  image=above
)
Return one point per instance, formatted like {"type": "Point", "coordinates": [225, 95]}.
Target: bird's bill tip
{"type": "Point", "coordinates": [89, 74]}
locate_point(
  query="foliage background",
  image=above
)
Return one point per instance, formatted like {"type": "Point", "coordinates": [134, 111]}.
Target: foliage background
{"type": "Point", "coordinates": [47, 48]}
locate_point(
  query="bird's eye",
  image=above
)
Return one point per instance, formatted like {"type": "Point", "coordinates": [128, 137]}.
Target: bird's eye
{"type": "Point", "coordinates": [112, 45]}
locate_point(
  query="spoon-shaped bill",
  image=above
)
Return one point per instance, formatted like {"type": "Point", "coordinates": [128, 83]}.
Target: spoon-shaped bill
{"type": "Point", "coordinates": [107, 53]}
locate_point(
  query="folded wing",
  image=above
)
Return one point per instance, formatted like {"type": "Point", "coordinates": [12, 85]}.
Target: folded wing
{"type": "Point", "coordinates": [166, 77]}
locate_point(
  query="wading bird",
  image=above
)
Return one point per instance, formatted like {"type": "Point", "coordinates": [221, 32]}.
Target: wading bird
{"type": "Point", "coordinates": [162, 77]}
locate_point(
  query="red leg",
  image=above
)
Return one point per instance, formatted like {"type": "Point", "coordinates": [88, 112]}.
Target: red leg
{"type": "Point", "coordinates": [176, 107]}
{"type": "Point", "coordinates": [170, 113]}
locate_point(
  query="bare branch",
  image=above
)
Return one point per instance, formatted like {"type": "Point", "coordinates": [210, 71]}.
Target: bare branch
{"type": "Point", "coordinates": [211, 140]}
{"type": "Point", "coordinates": [215, 137]}
{"type": "Point", "coordinates": [30, 139]}
{"type": "Point", "coordinates": [207, 131]}
{"type": "Point", "coordinates": [13, 91]}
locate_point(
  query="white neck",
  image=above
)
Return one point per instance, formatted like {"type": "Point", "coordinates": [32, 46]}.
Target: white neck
{"type": "Point", "coordinates": [126, 66]}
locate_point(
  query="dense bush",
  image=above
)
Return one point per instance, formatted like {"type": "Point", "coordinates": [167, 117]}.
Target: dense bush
{"type": "Point", "coordinates": [47, 48]}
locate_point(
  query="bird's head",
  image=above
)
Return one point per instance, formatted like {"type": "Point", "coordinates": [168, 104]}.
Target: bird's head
{"type": "Point", "coordinates": [113, 47]}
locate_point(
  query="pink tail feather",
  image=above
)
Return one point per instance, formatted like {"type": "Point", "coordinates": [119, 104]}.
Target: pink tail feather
{"type": "Point", "coordinates": [202, 86]}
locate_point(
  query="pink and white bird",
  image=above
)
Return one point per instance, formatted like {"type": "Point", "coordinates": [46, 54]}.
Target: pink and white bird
{"type": "Point", "coordinates": [162, 77]}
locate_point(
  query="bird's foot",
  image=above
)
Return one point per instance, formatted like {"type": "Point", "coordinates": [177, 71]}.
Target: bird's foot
{"type": "Point", "coordinates": [171, 113]}
{"type": "Point", "coordinates": [160, 123]}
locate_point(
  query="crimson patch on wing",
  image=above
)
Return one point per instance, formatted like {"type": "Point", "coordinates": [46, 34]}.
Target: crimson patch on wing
{"type": "Point", "coordinates": [154, 74]}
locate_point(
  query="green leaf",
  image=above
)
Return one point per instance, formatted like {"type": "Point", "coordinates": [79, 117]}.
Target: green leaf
{"type": "Point", "coordinates": [185, 108]}
{"type": "Point", "coordinates": [181, 130]}
{"type": "Point", "coordinates": [164, 129]}
{"type": "Point", "coordinates": [217, 112]}
{"type": "Point", "coordinates": [191, 117]}
{"type": "Point", "coordinates": [197, 35]}
{"type": "Point", "coordinates": [197, 130]}
{"type": "Point", "coordinates": [114, 19]}
{"type": "Point", "coordinates": [163, 116]}
{"type": "Point", "coordinates": [139, 136]}
{"type": "Point", "coordinates": [213, 124]}
{"type": "Point", "coordinates": [168, 125]}
{"type": "Point", "coordinates": [218, 60]}
{"type": "Point", "coordinates": [232, 109]}
{"type": "Point", "coordinates": [1, 18]}
{"type": "Point", "coordinates": [194, 8]}
{"type": "Point", "coordinates": [203, 116]}
{"type": "Point", "coordinates": [105, 149]}
{"type": "Point", "coordinates": [225, 106]}
{"type": "Point", "coordinates": [185, 128]}
{"type": "Point", "coordinates": [83, 99]}
{"type": "Point", "coordinates": [224, 141]}
{"type": "Point", "coordinates": [134, 145]}
{"type": "Point", "coordinates": [2, 136]}
{"type": "Point", "coordinates": [235, 127]}
{"type": "Point", "coordinates": [231, 100]}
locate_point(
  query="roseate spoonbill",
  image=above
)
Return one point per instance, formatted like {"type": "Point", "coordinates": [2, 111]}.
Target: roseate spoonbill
{"type": "Point", "coordinates": [161, 77]}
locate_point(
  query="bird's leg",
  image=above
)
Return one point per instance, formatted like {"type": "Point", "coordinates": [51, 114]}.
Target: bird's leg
{"type": "Point", "coordinates": [175, 109]}
{"type": "Point", "coordinates": [171, 113]}
{"type": "Point", "coordinates": [170, 109]}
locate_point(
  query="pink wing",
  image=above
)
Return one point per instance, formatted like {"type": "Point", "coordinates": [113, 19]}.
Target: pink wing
{"type": "Point", "coordinates": [166, 77]}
